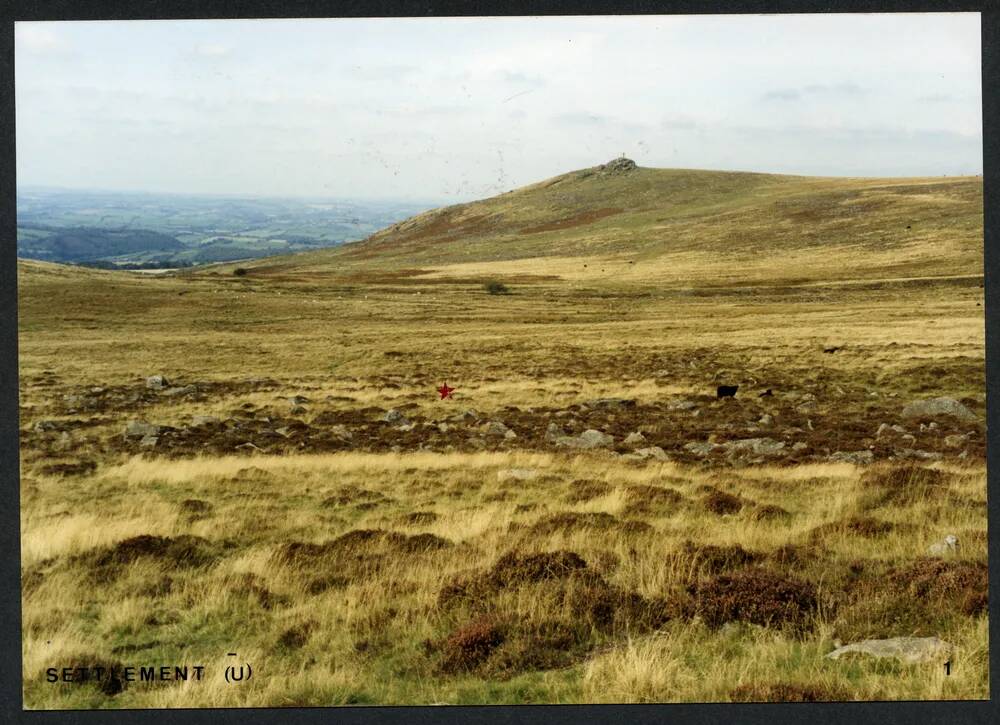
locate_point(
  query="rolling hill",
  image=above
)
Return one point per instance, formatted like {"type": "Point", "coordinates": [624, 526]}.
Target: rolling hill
{"type": "Point", "coordinates": [619, 222]}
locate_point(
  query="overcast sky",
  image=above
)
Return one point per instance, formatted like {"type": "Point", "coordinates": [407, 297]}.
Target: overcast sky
{"type": "Point", "coordinates": [456, 109]}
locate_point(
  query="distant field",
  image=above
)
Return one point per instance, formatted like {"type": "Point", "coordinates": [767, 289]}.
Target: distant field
{"type": "Point", "coordinates": [175, 230]}
{"type": "Point", "coordinates": [309, 501]}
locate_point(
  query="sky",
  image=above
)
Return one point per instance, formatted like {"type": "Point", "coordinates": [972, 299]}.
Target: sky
{"type": "Point", "coordinates": [453, 109]}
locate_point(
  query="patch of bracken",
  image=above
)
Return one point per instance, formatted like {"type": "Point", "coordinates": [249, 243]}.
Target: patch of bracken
{"type": "Point", "coordinates": [715, 559]}
{"type": "Point", "coordinates": [863, 526]}
{"type": "Point", "coordinates": [961, 585]}
{"type": "Point", "coordinates": [252, 587]}
{"type": "Point", "coordinates": [469, 646]}
{"type": "Point", "coordinates": [178, 552]}
{"type": "Point", "coordinates": [418, 518]}
{"type": "Point", "coordinates": [573, 520]}
{"type": "Point", "coordinates": [722, 503]}
{"type": "Point", "coordinates": [591, 600]}
{"type": "Point", "coordinates": [296, 637]}
{"type": "Point", "coordinates": [584, 489]}
{"type": "Point", "coordinates": [787, 692]}
{"type": "Point", "coordinates": [514, 568]}
{"type": "Point", "coordinates": [770, 512]}
{"type": "Point", "coordinates": [903, 485]}
{"type": "Point", "coordinates": [195, 508]}
{"type": "Point", "coordinates": [644, 499]}
{"type": "Point", "coordinates": [757, 596]}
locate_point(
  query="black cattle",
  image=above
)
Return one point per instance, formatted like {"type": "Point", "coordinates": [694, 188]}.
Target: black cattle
{"type": "Point", "coordinates": [726, 391]}
{"type": "Point", "coordinates": [766, 394]}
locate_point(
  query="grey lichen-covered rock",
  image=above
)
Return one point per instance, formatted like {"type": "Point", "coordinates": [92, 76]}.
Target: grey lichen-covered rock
{"type": "Point", "coordinates": [908, 650]}
{"type": "Point", "coordinates": [955, 441]}
{"type": "Point", "coordinates": [681, 405]}
{"type": "Point", "coordinates": [156, 382]}
{"type": "Point", "coordinates": [185, 390]}
{"type": "Point", "coordinates": [755, 446]}
{"type": "Point", "coordinates": [947, 545]}
{"type": "Point", "coordinates": [610, 403]}
{"type": "Point", "coordinates": [701, 449]}
{"type": "Point", "coordinates": [621, 165]}
{"type": "Point", "coordinates": [149, 441]}
{"type": "Point", "coordinates": [394, 417]}
{"type": "Point", "coordinates": [932, 407]}
{"type": "Point", "coordinates": [652, 452]}
{"type": "Point", "coordinates": [554, 432]}
{"type": "Point", "coordinates": [494, 428]}
{"type": "Point", "coordinates": [141, 429]}
{"type": "Point", "coordinates": [588, 439]}
{"type": "Point", "coordinates": [858, 458]}
{"type": "Point", "coordinates": [635, 439]}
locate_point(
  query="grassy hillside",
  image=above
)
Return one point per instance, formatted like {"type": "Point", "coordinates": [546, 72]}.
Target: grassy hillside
{"type": "Point", "coordinates": [309, 501]}
{"type": "Point", "coordinates": [679, 227]}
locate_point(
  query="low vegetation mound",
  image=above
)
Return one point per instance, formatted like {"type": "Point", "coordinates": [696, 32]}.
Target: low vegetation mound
{"type": "Point", "coordinates": [756, 596]}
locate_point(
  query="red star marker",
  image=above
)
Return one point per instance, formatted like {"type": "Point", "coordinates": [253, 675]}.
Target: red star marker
{"type": "Point", "coordinates": [445, 391]}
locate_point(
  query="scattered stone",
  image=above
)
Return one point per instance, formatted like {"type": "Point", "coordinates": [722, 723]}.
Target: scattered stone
{"type": "Point", "coordinates": [156, 382]}
{"type": "Point", "coordinates": [341, 431]}
{"type": "Point", "coordinates": [932, 407]}
{"type": "Point", "coordinates": [186, 390]}
{"type": "Point", "coordinates": [44, 426]}
{"type": "Point", "coordinates": [298, 400]}
{"type": "Point", "coordinates": [754, 446]}
{"type": "Point", "coordinates": [200, 420]}
{"type": "Point", "coordinates": [908, 650]}
{"type": "Point", "coordinates": [799, 446]}
{"type": "Point", "coordinates": [652, 452]}
{"type": "Point", "coordinates": [494, 428]}
{"type": "Point", "coordinates": [141, 429]}
{"type": "Point", "coordinates": [394, 417]}
{"type": "Point", "coordinates": [510, 435]}
{"type": "Point", "coordinates": [298, 410]}
{"type": "Point", "coordinates": [766, 419]}
{"type": "Point", "coordinates": [909, 453]}
{"type": "Point", "coordinates": [858, 458]}
{"type": "Point", "coordinates": [554, 431]}
{"type": "Point", "coordinates": [681, 405]}
{"type": "Point", "coordinates": [947, 545]}
{"type": "Point", "coordinates": [590, 438]}
{"type": "Point", "coordinates": [610, 403]}
{"type": "Point", "coordinates": [701, 449]}
{"type": "Point", "coordinates": [955, 441]}
{"type": "Point", "coordinates": [634, 439]}
{"type": "Point", "coordinates": [517, 474]}
{"type": "Point", "coordinates": [149, 441]}
{"type": "Point", "coordinates": [620, 165]}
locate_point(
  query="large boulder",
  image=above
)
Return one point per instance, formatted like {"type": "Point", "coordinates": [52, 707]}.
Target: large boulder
{"type": "Point", "coordinates": [141, 429]}
{"type": "Point", "coordinates": [610, 403]}
{"type": "Point", "coordinates": [932, 407]}
{"type": "Point", "coordinates": [858, 458]}
{"type": "Point", "coordinates": [588, 439]}
{"type": "Point", "coordinates": [908, 650]}
{"type": "Point", "coordinates": [394, 417]}
{"type": "Point", "coordinates": [755, 447]}
{"type": "Point", "coordinates": [156, 382]}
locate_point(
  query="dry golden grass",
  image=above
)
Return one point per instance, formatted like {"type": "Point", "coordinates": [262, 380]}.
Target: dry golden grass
{"type": "Point", "coordinates": [250, 557]}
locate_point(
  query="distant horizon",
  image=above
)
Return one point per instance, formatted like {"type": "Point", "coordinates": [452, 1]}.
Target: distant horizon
{"type": "Point", "coordinates": [444, 202]}
{"type": "Point", "coordinates": [460, 109]}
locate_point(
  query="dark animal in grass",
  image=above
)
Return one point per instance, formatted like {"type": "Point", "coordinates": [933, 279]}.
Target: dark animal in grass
{"type": "Point", "coordinates": [726, 391]}
{"type": "Point", "coordinates": [766, 394]}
